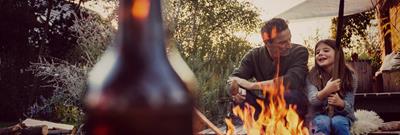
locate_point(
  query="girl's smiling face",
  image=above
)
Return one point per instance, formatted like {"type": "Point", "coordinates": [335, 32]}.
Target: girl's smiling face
{"type": "Point", "coordinates": [324, 56]}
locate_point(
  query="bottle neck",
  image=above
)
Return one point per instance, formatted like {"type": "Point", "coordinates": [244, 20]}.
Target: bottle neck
{"type": "Point", "coordinates": [141, 33]}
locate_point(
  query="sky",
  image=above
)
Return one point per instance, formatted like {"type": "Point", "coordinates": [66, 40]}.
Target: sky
{"type": "Point", "coordinates": [300, 29]}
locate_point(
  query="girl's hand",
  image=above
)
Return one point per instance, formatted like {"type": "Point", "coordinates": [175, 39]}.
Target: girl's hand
{"type": "Point", "coordinates": [335, 100]}
{"type": "Point", "coordinates": [332, 86]}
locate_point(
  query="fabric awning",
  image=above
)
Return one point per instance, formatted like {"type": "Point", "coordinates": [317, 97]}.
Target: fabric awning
{"type": "Point", "coordinates": [324, 8]}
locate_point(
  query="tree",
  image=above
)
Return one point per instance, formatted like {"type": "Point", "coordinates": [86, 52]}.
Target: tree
{"type": "Point", "coordinates": [360, 37]}
{"type": "Point", "coordinates": [354, 25]}
{"type": "Point", "coordinates": [33, 29]}
{"type": "Point", "coordinates": [205, 32]}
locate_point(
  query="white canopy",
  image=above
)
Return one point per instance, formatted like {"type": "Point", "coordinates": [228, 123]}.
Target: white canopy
{"type": "Point", "coordinates": [325, 8]}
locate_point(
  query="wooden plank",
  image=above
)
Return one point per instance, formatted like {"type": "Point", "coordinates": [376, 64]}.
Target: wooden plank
{"type": "Point", "coordinates": [391, 80]}
{"type": "Point", "coordinates": [380, 94]}
{"type": "Point", "coordinates": [239, 130]}
{"type": "Point", "coordinates": [22, 129]}
{"type": "Point", "coordinates": [385, 104]}
{"type": "Point", "coordinates": [209, 131]}
{"type": "Point", "coordinates": [364, 74]}
{"type": "Point", "coordinates": [385, 133]}
{"type": "Point", "coordinates": [50, 125]}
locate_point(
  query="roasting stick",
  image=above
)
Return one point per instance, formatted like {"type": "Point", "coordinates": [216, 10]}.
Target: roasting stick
{"type": "Point", "coordinates": [337, 69]}
{"type": "Point", "coordinates": [188, 77]}
{"type": "Point", "coordinates": [208, 122]}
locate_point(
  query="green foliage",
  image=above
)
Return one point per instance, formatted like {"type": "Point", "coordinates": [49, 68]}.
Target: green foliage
{"type": "Point", "coordinates": [360, 37]}
{"type": "Point", "coordinates": [5, 124]}
{"type": "Point", "coordinates": [205, 33]}
{"type": "Point", "coordinates": [68, 84]}
{"type": "Point", "coordinates": [354, 25]}
{"type": "Point", "coordinates": [69, 114]}
{"type": "Point", "coordinates": [367, 49]}
{"type": "Point", "coordinates": [30, 28]}
{"type": "Point", "coordinates": [68, 81]}
{"type": "Point", "coordinates": [93, 34]}
{"type": "Point", "coordinates": [310, 43]}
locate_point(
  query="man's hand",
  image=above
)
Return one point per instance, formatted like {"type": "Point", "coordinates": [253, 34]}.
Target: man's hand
{"type": "Point", "coordinates": [238, 94]}
{"type": "Point", "coordinates": [332, 86]}
{"type": "Point", "coordinates": [238, 98]}
{"type": "Point", "coordinates": [335, 100]}
{"type": "Point", "coordinates": [242, 82]}
{"type": "Point", "coordinates": [234, 88]}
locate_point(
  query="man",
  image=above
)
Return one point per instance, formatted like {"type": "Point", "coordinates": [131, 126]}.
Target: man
{"type": "Point", "coordinates": [261, 64]}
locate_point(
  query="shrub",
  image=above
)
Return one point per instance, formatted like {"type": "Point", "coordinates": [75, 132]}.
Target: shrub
{"type": "Point", "coordinates": [68, 83]}
{"type": "Point", "coordinates": [66, 79]}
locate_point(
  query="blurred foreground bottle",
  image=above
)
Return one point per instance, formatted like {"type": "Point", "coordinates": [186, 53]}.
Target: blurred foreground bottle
{"type": "Point", "coordinates": [133, 89]}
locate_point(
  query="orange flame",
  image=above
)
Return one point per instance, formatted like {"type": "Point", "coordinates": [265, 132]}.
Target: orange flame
{"type": "Point", "coordinates": [265, 36]}
{"type": "Point", "coordinates": [140, 9]}
{"type": "Point", "coordinates": [230, 126]}
{"type": "Point", "coordinates": [273, 33]}
{"type": "Point", "coordinates": [276, 118]}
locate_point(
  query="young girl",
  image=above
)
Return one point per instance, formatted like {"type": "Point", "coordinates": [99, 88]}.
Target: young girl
{"type": "Point", "coordinates": [324, 91]}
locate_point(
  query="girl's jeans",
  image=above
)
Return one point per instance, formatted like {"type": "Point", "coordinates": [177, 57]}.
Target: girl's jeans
{"type": "Point", "coordinates": [338, 125]}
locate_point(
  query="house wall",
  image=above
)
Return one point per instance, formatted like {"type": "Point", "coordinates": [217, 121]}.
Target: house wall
{"type": "Point", "coordinates": [388, 15]}
{"type": "Point", "coordinates": [395, 26]}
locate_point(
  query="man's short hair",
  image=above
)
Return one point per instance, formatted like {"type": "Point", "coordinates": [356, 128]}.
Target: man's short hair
{"type": "Point", "coordinates": [275, 24]}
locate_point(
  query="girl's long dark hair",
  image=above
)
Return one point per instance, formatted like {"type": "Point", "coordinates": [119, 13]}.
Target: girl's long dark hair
{"type": "Point", "coordinates": [319, 77]}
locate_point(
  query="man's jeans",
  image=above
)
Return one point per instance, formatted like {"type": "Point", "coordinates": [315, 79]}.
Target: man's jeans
{"type": "Point", "coordinates": [322, 124]}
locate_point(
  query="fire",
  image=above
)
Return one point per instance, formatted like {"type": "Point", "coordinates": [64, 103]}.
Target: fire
{"type": "Point", "coordinates": [230, 126]}
{"type": "Point", "coordinates": [140, 9]}
{"type": "Point", "coordinates": [273, 119]}
{"type": "Point", "coordinates": [265, 36]}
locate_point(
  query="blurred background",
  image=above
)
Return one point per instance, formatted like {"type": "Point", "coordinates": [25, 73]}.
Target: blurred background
{"type": "Point", "coordinates": [47, 47]}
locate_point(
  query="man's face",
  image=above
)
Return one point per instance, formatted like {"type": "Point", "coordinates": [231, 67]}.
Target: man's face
{"type": "Point", "coordinates": [280, 44]}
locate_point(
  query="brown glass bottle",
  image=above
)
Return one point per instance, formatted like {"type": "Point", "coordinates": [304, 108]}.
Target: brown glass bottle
{"type": "Point", "coordinates": [133, 90]}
